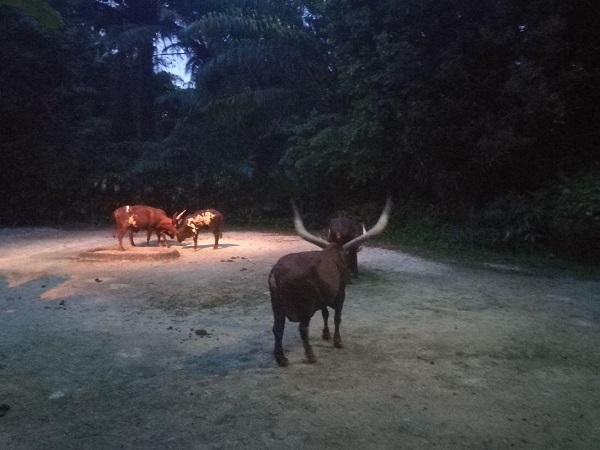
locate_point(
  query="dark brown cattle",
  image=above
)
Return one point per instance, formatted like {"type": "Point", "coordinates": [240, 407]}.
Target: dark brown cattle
{"type": "Point", "coordinates": [342, 231]}
{"type": "Point", "coordinates": [205, 219]}
{"type": "Point", "coordinates": [303, 283]}
{"type": "Point", "coordinates": [141, 217]}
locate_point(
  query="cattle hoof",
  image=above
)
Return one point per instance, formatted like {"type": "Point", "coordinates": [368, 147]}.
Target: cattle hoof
{"type": "Point", "coordinates": [337, 343]}
{"type": "Point", "coordinates": [282, 361]}
{"type": "Point", "coordinates": [326, 335]}
{"type": "Point", "coordinates": [310, 356]}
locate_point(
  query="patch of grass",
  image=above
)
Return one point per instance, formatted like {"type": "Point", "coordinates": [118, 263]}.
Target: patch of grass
{"type": "Point", "coordinates": [451, 243]}
{"type": "Point", "coordinates": [432, 238]}
{"type": "Point", "coordinates": [369, 276]}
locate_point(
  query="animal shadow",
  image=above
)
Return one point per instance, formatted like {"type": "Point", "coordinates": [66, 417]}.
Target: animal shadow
{"type": "Point", "coordinates": [233, 358]}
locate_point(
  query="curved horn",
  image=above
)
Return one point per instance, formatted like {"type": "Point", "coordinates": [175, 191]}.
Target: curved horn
{"type": "Point", "coordinates": [364, 229]}
{"type": "Point", "coordinates": [377, 228]}
{"type": "Point", "coordinates": [302, 231]}
{"type": "Point", "coordinates": [180, 214]}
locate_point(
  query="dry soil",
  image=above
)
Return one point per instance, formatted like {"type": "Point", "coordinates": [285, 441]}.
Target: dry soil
{"type": "Point", "coordinates": [177, 353]}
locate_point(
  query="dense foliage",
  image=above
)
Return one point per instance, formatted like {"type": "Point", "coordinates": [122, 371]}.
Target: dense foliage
{"type": "Point", "coordinates": [479, 113]}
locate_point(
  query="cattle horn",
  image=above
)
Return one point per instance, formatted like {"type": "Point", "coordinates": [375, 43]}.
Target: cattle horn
{"type": "Point", "coordinates": [178, 216]}
{"type": "Point", "coordinates": [377, 228]}
{"type": "Point", "coordinates": [302, 232]}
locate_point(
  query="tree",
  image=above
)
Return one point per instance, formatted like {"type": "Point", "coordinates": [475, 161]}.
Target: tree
{"type": "Point", "coordinates": [255, 65]}
{"type": "Point", "coordinates": [50, 86]}
{"type": "Point", "coordinates": [131, 29]}
{"type": "Point", "coordinates": [40, 10]}
{"type": "Point", "coordinates": [454, 101]}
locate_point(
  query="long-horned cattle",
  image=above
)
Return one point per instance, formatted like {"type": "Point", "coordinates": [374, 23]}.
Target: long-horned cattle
{"type": "Point", "coordinates": [141, 217]}
{"type": "Point", "coordinates": [303, 283]}
{"type": "Point", "coordinates": [341, 231]}
{"type": "Point", "coordinates": [191, 224]}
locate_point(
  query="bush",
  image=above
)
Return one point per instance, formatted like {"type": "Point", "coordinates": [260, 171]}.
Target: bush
{"type": "Point", "coordinates": [514, 221]}
{"type": "Point", "coordinates": [573, 217]}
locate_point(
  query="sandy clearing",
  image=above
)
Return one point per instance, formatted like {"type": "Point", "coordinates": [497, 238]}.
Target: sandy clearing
{"type": "Point", "coordinates": [177, 354]}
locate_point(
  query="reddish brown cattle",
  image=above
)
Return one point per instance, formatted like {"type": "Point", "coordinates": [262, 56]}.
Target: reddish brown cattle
{"type": "Point", "coordinates": [342, 231]}
{"type": "Point", "coordinates": [303, 283]}
{"type": "Point", "coordinates": [141, 217]}
{"type": "Point", "coordinates": [205, 219]}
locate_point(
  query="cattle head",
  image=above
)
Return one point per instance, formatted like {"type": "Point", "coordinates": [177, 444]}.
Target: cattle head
{"type": "Point", "coordinates": [353, 243]}
{"type": "Point", "coordinates": [167, 227]}
{"type": "Point", "coordinates": [178, 219]}
{"type": "Point", "coordinates": [190, 225]}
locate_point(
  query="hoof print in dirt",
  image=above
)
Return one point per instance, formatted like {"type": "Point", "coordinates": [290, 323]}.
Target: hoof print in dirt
{"type": "Point", "coordinates": [62, 305]}
{"type": "Point", "coordinates": [202, 332]}
{"type": "Point", "coordinates": [199, 333]}
{"type": "Point", "coordinates": [227, 260]}
{"type": "Point", "coordinates": [4, 408]}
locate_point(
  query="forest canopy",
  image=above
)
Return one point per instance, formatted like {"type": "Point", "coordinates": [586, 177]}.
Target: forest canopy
{"type": "Point", "coordinates": [484, 113]}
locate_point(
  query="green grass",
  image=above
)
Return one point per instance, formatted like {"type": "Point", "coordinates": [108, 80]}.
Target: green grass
{"type": "Point", "coordinates": [447, 243]}
{"type": "Point", "coordinates": [452, 244]}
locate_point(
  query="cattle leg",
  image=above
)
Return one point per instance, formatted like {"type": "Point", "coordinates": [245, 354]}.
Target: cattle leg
{"type": "Point", "coordinates": [164, 237]}
{"type": "Point", "coordinates": [303, 327]}
{"type": "Point", "coordinates": [217, 235]}
{"type": "Point", "coordinates": [337, 320]}
{"type": "Point", "coordinates": [131, 238]}
{"type": "Point", "coordinates": [354, 263]}
{"type": "Point", "coordinates": [120, 235]}
{"type": "Point", "coordinates": [149, 235]}
{"type": "Point", "coordinates": [278, 327]}
{"type": "Point", "coordinates": [326, 334]}
{"type": "Point", "coordinates": [195, 242]}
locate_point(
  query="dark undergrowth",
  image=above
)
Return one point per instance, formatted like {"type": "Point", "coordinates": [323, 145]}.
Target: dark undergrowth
{"type": "Point", "coordinates": [453, 244]}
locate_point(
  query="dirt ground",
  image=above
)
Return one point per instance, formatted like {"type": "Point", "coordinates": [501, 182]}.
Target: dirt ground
{"type": "Point", "coordinates": [177, 354]}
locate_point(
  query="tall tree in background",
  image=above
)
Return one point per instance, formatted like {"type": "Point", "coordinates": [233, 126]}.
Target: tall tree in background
{"type": "Point", "coordinates": [50, 85]}
{"type": "Point", "coordinates": [582, 88]}
{"type": "Point", "coordinates": [132, 29]}
{"type": "Point", "coordinates": [254, 64]}
{"type": "Point", "coordinates": [454, 101]}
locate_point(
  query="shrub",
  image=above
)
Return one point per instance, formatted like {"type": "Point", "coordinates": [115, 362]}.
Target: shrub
{"type": "Point", "coordinates": [573, 217]}
{"type": "Point", "coordinates": [514, 221]}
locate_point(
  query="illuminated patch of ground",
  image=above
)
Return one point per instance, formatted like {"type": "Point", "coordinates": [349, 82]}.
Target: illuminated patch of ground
{"type": "Point", "coordinates": [130, 254]}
